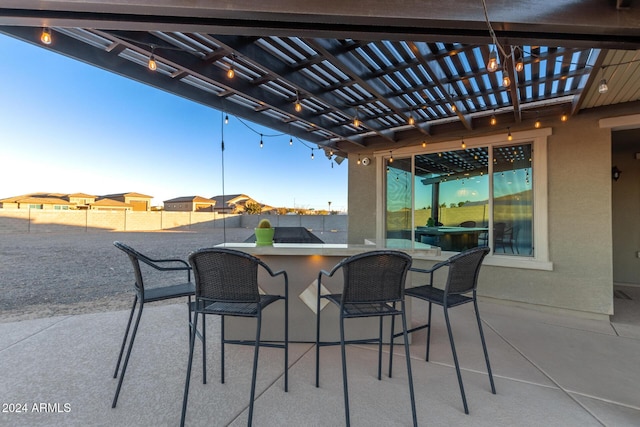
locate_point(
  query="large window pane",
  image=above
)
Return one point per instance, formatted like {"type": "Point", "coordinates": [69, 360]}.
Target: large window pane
{"type": "Point", "coordinates": [398, 216]}
{"type": "Point", "coordinates": [451, 198]}
{"type": "Point", "coordinates": [513, 200]}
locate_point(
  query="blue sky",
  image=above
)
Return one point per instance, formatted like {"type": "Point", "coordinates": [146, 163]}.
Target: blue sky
{"type": "Point", "coordinates": [68, 127]}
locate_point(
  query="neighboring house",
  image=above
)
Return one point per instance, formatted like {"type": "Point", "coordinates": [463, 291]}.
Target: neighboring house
{"type": "Point", "coordinates": [235, 203]}
{"type": "Point", "coordinates": [139, 202]}
{"type": "Point", "coordinates": [105, 204]}
{"type": "Point", "coordinates": [81, 200]}
{"type": "Point", "coordinates": [190, 204]}
{"type": "Point", "coordinates": [37, 201]}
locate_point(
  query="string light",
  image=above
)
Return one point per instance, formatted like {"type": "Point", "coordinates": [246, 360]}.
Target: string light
{"type": "Point", "coordinates": [297, 106]}
{"type": "Point", "coordinates": [492, 65]}
{"type": "Point", "coordinates": [226, 120]}
{"type": "Point", "coordinates": [411, 120]}
{"type": "Point", "coordinates": [261, 144]}
{"type": "Point", "coordinates": [537, 124]}
{"type": "Point", "coordinates": [509, 136]}
{"type": "Point", "coordinates": [45, 37]}
{"type": "Point", "coordinates": [290, 140]}
{"type": "Point", "coordinates": [356, 121]}
{"type": "Point", "coordinates": [493, 120]}
{"type": "Point", "coordinates": [462, 144]}
{"type": "Point", "coordinates": [424, 144]}
{"type": "Point", "coordinates": [563, 117]}
{"type": "Point", "coordinates": [519, 65]}
{"type": "Point", "coordinates": [506, 81]}
{"type": "Point", "coordinates": [359, 161]}
{"type": "Point", "coordinates": [152, 60]}
{"type": "Point", "coordinates": [231, 73]}
{"type": "Point", "coordinates": [312, 156]}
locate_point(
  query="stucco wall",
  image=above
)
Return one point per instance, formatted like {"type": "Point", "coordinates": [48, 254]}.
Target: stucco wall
{"type": "Point", "coordinates": [580, 237]}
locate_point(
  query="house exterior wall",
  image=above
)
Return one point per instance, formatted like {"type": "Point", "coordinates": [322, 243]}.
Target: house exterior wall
{"type": "Point", "coordinates": [579, 221]}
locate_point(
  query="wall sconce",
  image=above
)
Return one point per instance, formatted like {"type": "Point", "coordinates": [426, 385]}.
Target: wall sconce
{"type": "Point", "coordinates": [615, 173]}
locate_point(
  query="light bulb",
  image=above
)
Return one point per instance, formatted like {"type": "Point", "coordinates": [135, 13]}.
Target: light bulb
{"type": "Point", "coordinates": [412, 121]}
{"type": "Point", "coordinates": [519, 65]}
{"type": "Point", "coordinates": [506, 81]}
{"type": "Point", "coordinates": [493, 120]}
{"type": "Point", "coordinates": [564, 117]}
{"type": "Point", "coordinates": [356, 122]}
{"type": "Point", "coordinates": [45, 37]}
{"type": "Point", "coordinates": [226, 120]}
{"type": "Point", "coordinates": [261, 144]}
{"type": "Point", "coordinates": [359, 161]}
{"type": "Point", "coordinates": [463, 145]}
{"type": "Point", "coordinates": [424, 144]}
{"type": "Point", "coordinates": [152, 63]}
{"type": "Point", "coordinates": [603, 88]}
{"type": "Point", "coordinates": [312, 156]}
{"type": "Point", "coordinates": [537, 124]}
{"type": "Point", "coordinates": [492, 65]}
{"type": "Point", "coordinates": [291, 141]}
{"type": "Point", "coordinates": [453, 107]}
{"type": "Point", "coordinates": [509, 136]}
{"type": "Point", "coordinates": [297, 106]}
{"type": "Point", "coordinates": [231, 72]}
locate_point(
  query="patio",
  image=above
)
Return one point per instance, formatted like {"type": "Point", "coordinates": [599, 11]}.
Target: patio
{"type": "Point", "coordinates": [549, 370]}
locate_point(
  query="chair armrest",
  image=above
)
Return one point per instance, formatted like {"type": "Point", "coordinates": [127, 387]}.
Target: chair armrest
{"type": "Point", "coordinates": [432, 269]}
{"type": "Point", "coordinates": [155, 264]}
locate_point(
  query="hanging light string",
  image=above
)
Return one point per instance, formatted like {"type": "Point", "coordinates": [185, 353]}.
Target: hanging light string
{"type": "Point", "coordinates": [224, 217]}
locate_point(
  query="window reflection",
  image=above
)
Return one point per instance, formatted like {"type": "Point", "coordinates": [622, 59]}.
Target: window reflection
{"type": "Point", "coordinates": [464, 198]}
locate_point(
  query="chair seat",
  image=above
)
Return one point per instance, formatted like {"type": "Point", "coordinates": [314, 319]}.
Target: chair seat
{"type": "Point", "coordinates": [436, 295]}
{"type": "Point", "coordinates": [363, 309]}
{"type": "Point", "coordinates": [239, 308]}
{"type": "Point", "coordinates": [168, 292]}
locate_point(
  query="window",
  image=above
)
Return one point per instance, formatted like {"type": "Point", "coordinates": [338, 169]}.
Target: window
{"type": "Point", "coordinates": [482, 195]}
{"type": "Point", "coordinates": [35, 206]}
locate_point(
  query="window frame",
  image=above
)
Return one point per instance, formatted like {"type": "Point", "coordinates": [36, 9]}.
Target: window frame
{"type": "Point", "coordinates": [538, 139]}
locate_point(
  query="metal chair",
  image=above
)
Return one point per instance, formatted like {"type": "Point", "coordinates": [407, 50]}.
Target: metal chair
{"type": "Point", "coordinates": [227, 285]}
{"type": "Point", "coordinates": [462, 279]}
{"type": "Point", "coordinates": [146, 295]}
{"type": "Point", "coordinates": [373, 284]}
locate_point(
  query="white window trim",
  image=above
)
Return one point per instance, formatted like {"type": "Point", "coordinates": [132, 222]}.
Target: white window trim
{"type": "Point", "coordinates": [538, 138]}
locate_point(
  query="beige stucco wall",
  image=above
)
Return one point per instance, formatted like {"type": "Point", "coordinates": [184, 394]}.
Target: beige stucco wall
{"type": "Point", "coordinates": [579, 219]}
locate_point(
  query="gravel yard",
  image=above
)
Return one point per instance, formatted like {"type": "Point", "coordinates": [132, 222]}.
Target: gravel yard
{"type": "Point", "coordinates": [52, 274]}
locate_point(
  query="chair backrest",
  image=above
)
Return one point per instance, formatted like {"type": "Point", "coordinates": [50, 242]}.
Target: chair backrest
{"type": "Point", "coordinates": [468, 224]}
{"type": "Point", "coordinates": [375, 276]}
{"type": "Point", "coordinates": [225, 275]}
{"type": "Point", "coordinates": [135, 257]}
{"type": "Point", "coordinates": [464, 269]}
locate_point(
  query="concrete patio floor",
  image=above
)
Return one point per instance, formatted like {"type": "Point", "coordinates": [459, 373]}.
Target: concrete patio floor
{"type": "Point", "coordinates": [549, 369]}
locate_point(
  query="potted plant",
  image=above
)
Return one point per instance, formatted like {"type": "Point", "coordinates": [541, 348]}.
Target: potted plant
{"type": "Point", "coordinates": [264, 233]}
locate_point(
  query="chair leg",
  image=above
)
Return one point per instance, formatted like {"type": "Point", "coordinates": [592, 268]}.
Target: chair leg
{"type": "Point", "coordinates": [255, 368]}
{"type": "Point", "coordinates": [428, 332]}
{"type": "Point", "coordinates": [455, 360]}
{"type": "Point", "coordinates": [380, 351]}
{"type": "Point", "coordinates": [189, 365]}
{"type": "Point", "coordinates": [408, 356]}
{"type": "Point", "coordinates": [126, 334]}
{"type": "Point", "coordinates": [286, 345]}
{"type": "Point", "coordinates": [344, 372]}
{"type": "Point", "coordinates": [393, 328]}
{"type": "Point", "coordinates": [484, 346]}
{"type": "Point", "coordinates": [126, 359]}
{"type": "Point", "coordinates": [318, 344]}
{"type": "Point", "coordinates": [204, 349]}
{"type": "Point", "coordinates": [222, 349]}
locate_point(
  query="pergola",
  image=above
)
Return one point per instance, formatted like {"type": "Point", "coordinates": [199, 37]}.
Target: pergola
{"type": "Point", "coordinates": [353, 77]}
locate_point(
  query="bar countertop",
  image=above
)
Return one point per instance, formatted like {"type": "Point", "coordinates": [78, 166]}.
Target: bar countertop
{"type": "Point", "coordinates": [326, 249]}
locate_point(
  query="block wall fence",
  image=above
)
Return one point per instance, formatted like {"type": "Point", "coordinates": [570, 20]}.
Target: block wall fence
{"type": "Point", "coordinates": [46, 221]}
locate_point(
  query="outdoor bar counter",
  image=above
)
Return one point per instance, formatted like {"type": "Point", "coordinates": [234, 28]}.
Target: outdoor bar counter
{"type": "Point", "coordinates": [302, 263]}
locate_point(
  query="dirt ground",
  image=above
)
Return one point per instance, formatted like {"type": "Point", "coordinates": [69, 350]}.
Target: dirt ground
{"type": "Point", "coordinates": [53, 274]}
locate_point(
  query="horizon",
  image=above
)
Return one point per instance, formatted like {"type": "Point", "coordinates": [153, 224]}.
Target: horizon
{"type": "Point", "coordinates": [73, 128]}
